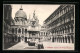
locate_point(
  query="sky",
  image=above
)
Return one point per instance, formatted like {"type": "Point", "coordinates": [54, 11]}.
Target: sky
{"type": "Point", "coordinates": [42, 11]}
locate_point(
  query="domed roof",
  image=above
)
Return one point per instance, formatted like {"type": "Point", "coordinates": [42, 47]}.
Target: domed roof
{"type": "Point", "coordinates": [20, 13]}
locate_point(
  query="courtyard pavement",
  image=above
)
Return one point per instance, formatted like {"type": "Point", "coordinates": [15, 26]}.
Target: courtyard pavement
{"type": "Point", "coordinates": [47, 46]}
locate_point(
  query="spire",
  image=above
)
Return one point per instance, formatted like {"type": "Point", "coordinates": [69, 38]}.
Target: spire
{"type": "Point", "coordinates": [34, 14]}
{"type": "Point", "coordinates": [21, 8]}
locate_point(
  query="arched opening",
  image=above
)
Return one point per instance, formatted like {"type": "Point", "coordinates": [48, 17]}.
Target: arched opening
{"type": "Point", "coordinates": [65, 39]}
{"type": "Point", "coordinates": [53, 39]}
{"type": "Point", "coordinates": [72, 38]}
{"type": "Point", "coordinates": [19, 30]}
{"type": "Point", "coordinates": [68, 38]}
{"type": "Point", "coordinates": [12, 30]}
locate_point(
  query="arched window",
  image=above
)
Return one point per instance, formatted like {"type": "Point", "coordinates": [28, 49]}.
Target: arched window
{"type": "Point", "coordinates": [12, 30]}
{"type": "Point", "coordinates": [19, 31]}
{"type": "Point", "coordinates": [22, 30]}
{"type": "Point", "coordinates": [16, 30]}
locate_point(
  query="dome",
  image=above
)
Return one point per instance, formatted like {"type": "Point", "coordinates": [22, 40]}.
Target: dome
{"type": "Point", "coordinates": [20, 13]}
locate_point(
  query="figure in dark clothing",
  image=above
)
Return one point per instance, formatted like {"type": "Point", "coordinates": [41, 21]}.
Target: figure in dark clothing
{"type": "Point", "coordinates": [40, 45]}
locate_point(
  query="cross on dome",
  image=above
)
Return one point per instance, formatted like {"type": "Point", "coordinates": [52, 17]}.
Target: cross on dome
{"type": "Point", "coordinates": [21, 8]}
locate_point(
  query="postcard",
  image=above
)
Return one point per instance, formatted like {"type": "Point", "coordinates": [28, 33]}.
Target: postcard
{"type": "Point", "coordinates": [38, 27]}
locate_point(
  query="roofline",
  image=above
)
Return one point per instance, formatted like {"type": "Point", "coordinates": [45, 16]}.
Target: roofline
{"type": "Point", "coordinates": [53, 13]}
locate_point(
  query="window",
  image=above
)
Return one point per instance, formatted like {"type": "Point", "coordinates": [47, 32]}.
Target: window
{"type": "Point", "coordinates": [72, 28]}
{"type": "Point", "coordinates": [67, 19]}
{"type": "Point", "coordinates": [22, 30]}
{"type": "Point", "coordinates": [63, 31]}
{"type": "Point", "coordinates": [62, 21]}
{"type": "Point", "coordinates": [46, 34]}
{"type": "Point", "coordinates": [25, 30]}
{"type": "Point", "coordinates": [16, 30]}
{"type": "Point", "coordinates": [68, 29]}
{"type": "Point", "coordinates": [59, 13]}
{"type": "Point", "coordinates": [72, 17]}
{"type": "Point", "coordinates": [12, 30]}
{"type": "Point", "coordinates": [67, 9]}
{"type": "Point", "coordinates": [63, 11]}
{"type": "Point", "coordinates": [19, 31]}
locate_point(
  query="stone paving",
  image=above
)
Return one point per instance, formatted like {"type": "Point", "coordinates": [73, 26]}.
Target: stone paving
{"type": "Point", "coordinates": [19, 46]}
{"type": "Point", "coordinates": [47, 46]}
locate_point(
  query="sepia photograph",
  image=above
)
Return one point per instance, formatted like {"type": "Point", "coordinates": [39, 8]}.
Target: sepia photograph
{"type": "Point", "coordinates": [38, 27]}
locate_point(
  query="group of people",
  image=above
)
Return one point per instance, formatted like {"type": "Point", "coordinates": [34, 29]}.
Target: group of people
{"type": "Point", "coordinates": [37, 43]}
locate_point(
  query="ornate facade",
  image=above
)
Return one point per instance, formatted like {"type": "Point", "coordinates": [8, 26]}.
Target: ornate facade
{"type": "Point", "coordinates": [61, 24]}
{"type": "Point", "coordinates": [25, 29]}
